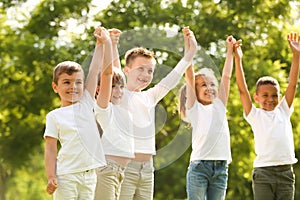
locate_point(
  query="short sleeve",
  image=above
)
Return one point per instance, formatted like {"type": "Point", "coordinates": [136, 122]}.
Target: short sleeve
{"type": "Point", "coordinates": [103, 115]}
{"type": "Point", "coordinates": [51, 127]}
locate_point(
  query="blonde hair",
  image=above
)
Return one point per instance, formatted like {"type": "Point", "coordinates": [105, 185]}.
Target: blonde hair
{"type": "Point", "coordinates": [182, 92]}
{"type": "Point", "coordinates": [138, 52]}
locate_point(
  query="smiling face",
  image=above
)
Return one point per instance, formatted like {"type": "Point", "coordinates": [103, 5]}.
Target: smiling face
{"type": "Point", "coordinates": [139, 73]}
{"type": "Point", "coordinates": [267, 96]}
{"type": "Point", "coordinates": [117, 94]}
{"type": "Point", "coordinates": [206, 89]}
{"type": "Point", "coordinates": [69, 87]}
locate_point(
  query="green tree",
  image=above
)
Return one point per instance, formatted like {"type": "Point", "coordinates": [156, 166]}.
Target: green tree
{"type": "Point", "coordinates": [30, 50]}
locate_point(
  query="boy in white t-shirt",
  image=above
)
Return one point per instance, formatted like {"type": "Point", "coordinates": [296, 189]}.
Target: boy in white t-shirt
{"type": "Point", "coordinates": [71, 173]}
{"type": "Point", "coordinates": [272, 176]}
{"type": "Point", "coordinates": [140, 64]}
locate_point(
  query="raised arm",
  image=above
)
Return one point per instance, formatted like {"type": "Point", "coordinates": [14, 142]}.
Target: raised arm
{"type": "Point", "coordinates": [240, 78]}
{"type": "Point", "coordinates": [294, 43]}
{"type": "Point", "coordinates": [227, 71]}
{"type": "Point", "coordinates": [92, 77]}
{"type": "Point", "coordinates": [115, 35]}
{"type": "Point", "coordinates": [106, 73]}
{"type": "Point", "coordinates": [173, 78]}
{"type": "Point", "coordinates": [189, 73]}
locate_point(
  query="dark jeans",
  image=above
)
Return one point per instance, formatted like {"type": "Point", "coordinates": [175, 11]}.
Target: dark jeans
{"type": "Point", "coordinates": [273, 183]}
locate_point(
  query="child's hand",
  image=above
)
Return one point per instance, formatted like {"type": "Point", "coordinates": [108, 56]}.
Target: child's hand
{"type": "Point", "coordinates": [114, 35]}
{"type": "Point", "coordinates": [230, 42]}
{"type": "Point", "coordinates": [186, 32]}
{"type": "Point", "coordinates": [190, 44]}
{"type": "Point", "coordinates": [294, 42]}
{"type": "Point", "coordinates": [101, 35]}
{"type": "Point", "coordinates": [52, 185]}
{"type": "Point", "coordinates": [238, 49]}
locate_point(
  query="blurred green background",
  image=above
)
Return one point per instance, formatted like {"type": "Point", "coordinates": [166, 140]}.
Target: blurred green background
{"type": "Point", "coordinates": [36, 35]}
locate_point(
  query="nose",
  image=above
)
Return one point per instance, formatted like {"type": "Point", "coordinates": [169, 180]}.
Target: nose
{"type": "Point", "coordinates": [118, 90]}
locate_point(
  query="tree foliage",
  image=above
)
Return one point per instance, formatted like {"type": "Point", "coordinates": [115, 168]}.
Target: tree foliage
{"type": "Point", "coordinates": [30, 51]}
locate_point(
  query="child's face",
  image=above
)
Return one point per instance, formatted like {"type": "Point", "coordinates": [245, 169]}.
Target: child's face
{"type": "Point", "coordinates": [267, 96]}
{"type": "Point", "coordinates": [206, 89]}
{"type": "Point", "coordinates": [69, 88]}
{"type": "Point", "coordinates": [139, 73]}
{"type": "Point", "coordinates": [116, 94]}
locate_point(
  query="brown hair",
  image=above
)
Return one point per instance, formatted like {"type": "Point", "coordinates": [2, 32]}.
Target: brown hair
{"type": "Point", "coordinates": [182, 102]}
{"type": "Point", "coordinates": [136, 52]}
{"type": "Point", "coordinates": [68, 67]}
{"type": "Point", "coordinates": [266, 80]}
{"type": "Point", "coordinates": [118, 77]}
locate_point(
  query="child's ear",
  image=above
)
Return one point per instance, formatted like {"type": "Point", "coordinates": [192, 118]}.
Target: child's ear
{"type": "Point", "coordinates": [255, 97]}
{"type": "Point", "coordinates": [126, 69]}
{"type": "Point", "coordinates": [54, 87]}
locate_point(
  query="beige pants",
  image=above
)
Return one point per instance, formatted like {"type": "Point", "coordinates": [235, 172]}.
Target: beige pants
{"type": "Point", "coordinates": [138, 182]}
{"type": "Point", "coordinates": [79, 186]}
{"type": "Point", "coordinates": [109, 180]}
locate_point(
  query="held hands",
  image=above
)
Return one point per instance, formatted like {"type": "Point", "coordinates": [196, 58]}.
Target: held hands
{"type": "Point", "coordinates": [190, 44]}
{"type": "Point", "coordinates": [101, 35]}
{"type": "Point", "coordinates": [114, 35]}
{"type": "Point", "coordinates": [238, 53]}
{"type": "Point", "coordinates": [294, 42]}
{"type": "Point", "coordinates": [230, 42]}
{"type": "Point", "coordinates": [52, 185]}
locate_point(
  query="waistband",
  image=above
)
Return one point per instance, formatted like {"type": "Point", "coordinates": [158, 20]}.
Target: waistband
{"type": "Point", "coordinates": [140, 165]}
{"type": "Point", "coordinates": [276, 168]}
{"type": "Point", "coordinates": [114, 165]}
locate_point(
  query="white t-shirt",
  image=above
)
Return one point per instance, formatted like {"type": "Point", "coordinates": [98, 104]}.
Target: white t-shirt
{"type": "Point", "coordinates": [273, 135]}
{"type": "Point", "coordinates": [117, 138]}
{"type": "Point", "coordinates": [75, 128]}
{"type": "Point", "coordinates": [210, 132]}
{"type": "Point", "coordinates": [142, 106]}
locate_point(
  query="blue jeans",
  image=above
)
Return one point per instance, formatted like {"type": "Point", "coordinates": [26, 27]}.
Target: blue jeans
{"type": "Point", "coordinates": [207, 180]}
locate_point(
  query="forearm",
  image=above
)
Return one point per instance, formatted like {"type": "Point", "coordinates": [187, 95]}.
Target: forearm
{"type": "Point", "coordinates": [294, 72]}
{"type": "Point", "coordinates": [107, 59]}
{"type": "Point", "coordinates": [293, 80]}
{"type": "Point", "coordinates": [190, 87]}
{"type": "Point", "coordinates": [240, 77]}
{"type": "Point", "coordinates": [173, 78]}
{"type": "Point", "coordinates": [116, 59]}
{"type": "Point", "coordinates": [225, 80]}
{"type": "Point", "coordinates": [228, 65]}
{"type": "Point", "coordinates": [50, 164]}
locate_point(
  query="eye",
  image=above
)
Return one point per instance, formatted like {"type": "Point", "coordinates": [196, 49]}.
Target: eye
{"type": "Point", "coordinates": [66, 82]}
{"type": "Point", "coordinates": [150, 71]}
{"type": "Point", "coordinates": [141, 69]}
{"type": "Point", "coordinates": [78, 82]}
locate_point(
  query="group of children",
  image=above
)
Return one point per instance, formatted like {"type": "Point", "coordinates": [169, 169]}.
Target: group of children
{"type": "Point", "coordinates": [119, 163]}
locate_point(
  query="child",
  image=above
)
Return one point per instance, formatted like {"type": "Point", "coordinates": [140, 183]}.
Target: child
{"type": "Point", "coordinates": [140, 65]}
{"type": "Point", "coordinates": [117, 137]}
{"type": "Point", "coordinates": [71, 175]}
{"type": "Point", "coordinates": [273, 176]}
{"type": "Point", "coordinates": [207, 173]}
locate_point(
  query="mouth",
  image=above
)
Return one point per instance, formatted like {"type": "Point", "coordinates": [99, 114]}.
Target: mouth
{"type": "Point", "coordinates": [73, 93]}
{"type": "Point", "coordinates": [144, 81]}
